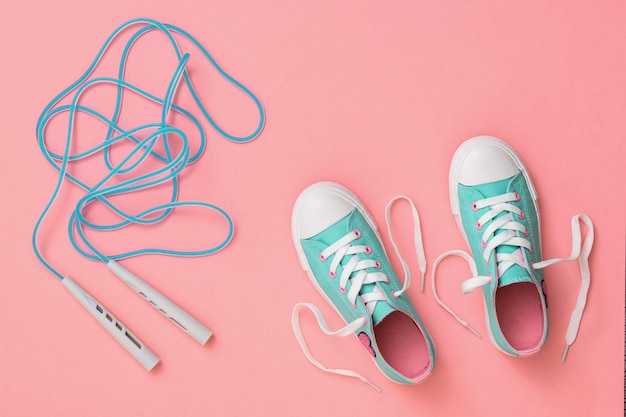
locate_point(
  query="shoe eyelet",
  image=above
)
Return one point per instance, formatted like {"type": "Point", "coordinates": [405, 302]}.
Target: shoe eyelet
{"type": "Point", "coordinates": [517, 196]}
{"type": "Point", "coordinates": [343, 290]}
{"type": "Point", "coordinates": [526, 233]}
{"type": "Point", "coordinates": [332, 274]}
{"type": "Point", "coordinates": [378, 265]}
{"type": "Point", "coordinates": [368, 250]}
{"type": "Point", "coordinates": [478, 226]}
{"type": "Point", "coordinates": [530, 250]}
{"type": "Point", "coordinates": [357, 232]}
{"type": "Point", "coordinates": [487, 262]}
{"type": "Point", "coordinates": [474, 206]}
{"type": "Point", "coordinates": [396, 296]}
{"type": "Point", "coordinates": [364, 318]}
{"type": "Point", "coordinates": [522, 215]}
{"type": "Point", "coordinates": [323, 258]}
{"type": "Point", "coordinates": [483, 244]}
{"type": "Point", "coordinates": [353, 306]}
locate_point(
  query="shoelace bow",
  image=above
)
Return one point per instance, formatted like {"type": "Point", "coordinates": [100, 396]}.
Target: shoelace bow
{"type": "Point", "coordinates": [500, 219]}
{"type": "Point", "coordinates": [355, 271]}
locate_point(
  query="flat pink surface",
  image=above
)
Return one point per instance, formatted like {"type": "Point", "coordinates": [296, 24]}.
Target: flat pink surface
{"type": "Point", "coordinates": [376, 96]}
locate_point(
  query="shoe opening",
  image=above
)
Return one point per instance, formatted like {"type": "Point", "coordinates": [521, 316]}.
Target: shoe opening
{"type": "Point", "coordinates": [520, 315]}
{"type": "Point", "coordinates": [402, 345]}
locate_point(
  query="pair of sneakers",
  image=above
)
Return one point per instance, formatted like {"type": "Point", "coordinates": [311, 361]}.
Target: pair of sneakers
{"type": "Point", "coordinates": [495, 205]}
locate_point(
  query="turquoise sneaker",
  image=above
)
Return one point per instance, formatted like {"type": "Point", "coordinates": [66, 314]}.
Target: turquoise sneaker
{"type": "Point", "coordinates": [495, 204]}
{"type": "Point", "coordinates": [339, 247]}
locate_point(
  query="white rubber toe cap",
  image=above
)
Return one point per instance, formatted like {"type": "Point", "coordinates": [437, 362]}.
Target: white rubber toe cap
{"type": "Point", "coordinates": [318, 207]}
{"type": "Point", "coordinates": [484, 160]}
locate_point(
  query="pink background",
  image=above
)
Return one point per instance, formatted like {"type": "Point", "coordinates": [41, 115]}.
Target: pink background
{"type": "Point", "coordinates": [375, 96]}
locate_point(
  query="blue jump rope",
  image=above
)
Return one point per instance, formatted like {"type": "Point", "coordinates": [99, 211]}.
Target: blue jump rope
{"type": "Point", "coordinates": [144, 138]}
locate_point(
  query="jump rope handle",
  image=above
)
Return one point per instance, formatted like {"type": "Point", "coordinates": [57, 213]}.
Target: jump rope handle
{"type": "Point", "coordinates": [167, 307]}
{"type": "Point", "coordinates": [116, 328]}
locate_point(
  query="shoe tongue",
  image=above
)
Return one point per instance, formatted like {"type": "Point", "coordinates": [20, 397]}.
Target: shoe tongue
{"type": "Point", "coordinates": [333, 234]}
{"type": "Point", "coordinates": [382, 310]}
{"type": "Point", "coordinates": [515, 273]}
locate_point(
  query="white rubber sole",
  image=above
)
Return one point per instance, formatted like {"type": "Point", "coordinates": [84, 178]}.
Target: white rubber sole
{"type": "Point", "coordinates": [453, 179]}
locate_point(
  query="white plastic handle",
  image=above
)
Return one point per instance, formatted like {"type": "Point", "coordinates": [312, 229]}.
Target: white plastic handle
{"type": "Point", "coordinates": [167, 307]}
{"type": "Point", "coordinates": [116, 328]}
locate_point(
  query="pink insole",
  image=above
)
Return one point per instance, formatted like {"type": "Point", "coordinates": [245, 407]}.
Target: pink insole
{"type": "Point", "coordinates": [402, 344]}
{"type": "Point", "coordinates": [520, 314]}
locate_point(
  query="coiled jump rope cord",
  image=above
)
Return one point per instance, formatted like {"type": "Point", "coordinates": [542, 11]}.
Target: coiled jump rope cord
{"type": "Point", "coordinates": [131, 175]}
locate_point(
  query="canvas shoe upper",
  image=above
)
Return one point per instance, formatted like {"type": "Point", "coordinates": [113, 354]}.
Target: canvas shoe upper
{"type": "Point", "coordinates": [495, 205]}
{"type": "Point", "coordinates": [339, 246]}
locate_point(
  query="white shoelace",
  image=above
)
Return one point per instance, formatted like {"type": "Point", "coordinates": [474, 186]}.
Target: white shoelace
{"type": "Point", "coordinates": [357, 267]}
{"type": "Point", "coordinates": [509, 234]}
